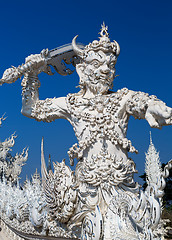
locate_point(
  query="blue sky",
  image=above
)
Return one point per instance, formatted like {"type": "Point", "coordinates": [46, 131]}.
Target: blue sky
{"type": "Point", "coordinates": [142, 28]}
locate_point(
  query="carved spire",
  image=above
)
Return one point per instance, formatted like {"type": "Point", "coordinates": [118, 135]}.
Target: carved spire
{"type": "Point", "coordinates": [151, 138]}
{"type": "Point", "coordinates": [44, 172]}
{"type": "Point", "coordinates": [104, 31]}
{"type": "Point", "coordinates": [152, 166]}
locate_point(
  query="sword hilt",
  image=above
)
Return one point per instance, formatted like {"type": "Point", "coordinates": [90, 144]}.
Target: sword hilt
{"type": "Point", "coordinates": [12, 74]}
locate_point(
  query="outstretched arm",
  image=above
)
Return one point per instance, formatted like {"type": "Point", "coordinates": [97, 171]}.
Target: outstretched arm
{"type": "Point", "coordinates": [142, 106]}
{"type": "Point", "coordinates": [42, 110]}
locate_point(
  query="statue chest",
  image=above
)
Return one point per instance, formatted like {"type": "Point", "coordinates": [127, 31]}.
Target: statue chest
{"type": "Point", "coordinates": [102, 115]}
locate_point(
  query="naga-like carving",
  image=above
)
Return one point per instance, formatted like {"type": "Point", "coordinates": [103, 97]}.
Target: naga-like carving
{"type": "Point", "coordinates": [102, 198]}
{"type": "Point", "coordinates": [59, 192]}
{"type": "Point", "coordinates": [11, 166]}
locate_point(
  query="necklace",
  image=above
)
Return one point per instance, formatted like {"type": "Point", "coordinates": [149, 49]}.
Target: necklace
{"type": "Point", "coordinates": [100, 116]}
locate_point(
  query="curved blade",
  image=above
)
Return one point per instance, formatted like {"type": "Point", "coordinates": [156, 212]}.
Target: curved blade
{"type": "Point", "coordinates": [59, 57]}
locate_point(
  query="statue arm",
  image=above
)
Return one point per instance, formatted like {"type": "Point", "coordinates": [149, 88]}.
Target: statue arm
{"type": "Point", "coordinates": [42, 110]}
{"type": "Point", "coordinates": [142, 106]}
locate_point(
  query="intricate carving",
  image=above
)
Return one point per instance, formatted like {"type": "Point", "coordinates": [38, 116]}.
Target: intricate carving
{"type": "Point", "coordinates": [105, 170]}
{"type": "Point", "coordinates": [101, 117]}
{"type": "Point", "coordinates": [101, 200]}
{"type": "Point", "coordinates": [60, 196]}
{"type": "Point", "coordinates": [11, 166]}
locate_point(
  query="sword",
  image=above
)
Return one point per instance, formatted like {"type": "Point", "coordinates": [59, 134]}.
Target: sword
{"type": "Point", "coordinates": [58, 58]}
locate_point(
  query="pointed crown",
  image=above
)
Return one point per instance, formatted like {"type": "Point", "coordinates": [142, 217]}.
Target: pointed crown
{"type": "Point", "coordinates": [103, 44]}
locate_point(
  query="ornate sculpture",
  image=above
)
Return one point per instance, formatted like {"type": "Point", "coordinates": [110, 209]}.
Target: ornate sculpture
{"type": "Point", "coordinates": [11, 166]}
{"type": "Point", "coordinates": [102, 197]}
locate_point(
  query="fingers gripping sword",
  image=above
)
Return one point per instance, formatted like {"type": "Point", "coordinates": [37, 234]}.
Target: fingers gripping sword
{"type": "Point", "coordinates": [38, 63]}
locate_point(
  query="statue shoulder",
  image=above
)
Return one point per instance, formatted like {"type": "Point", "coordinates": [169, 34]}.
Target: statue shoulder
{"type": "Point", "coordinates": [49, 109]}
{"type": "Point", "coordinates": [122, 94]}
{"type": "Point", "coordinates": [60, 102]}
{"type": "Point", "coordinates": [130, 94]}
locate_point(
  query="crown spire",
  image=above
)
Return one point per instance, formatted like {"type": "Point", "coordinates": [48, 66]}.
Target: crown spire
{"type": "Point", "coordinates": [104, 31]}
{"type": "Point", "coordinates": [104, 44]}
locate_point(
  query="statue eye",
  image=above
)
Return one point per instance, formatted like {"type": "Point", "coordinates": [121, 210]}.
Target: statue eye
{"type": "Point", "coordinates": [95, 63]}
{"type": "Point", "coordinates": [112, 65]}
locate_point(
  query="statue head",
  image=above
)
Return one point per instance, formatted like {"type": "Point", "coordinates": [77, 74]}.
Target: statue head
{"type": "Point", "coordinates": [97, 66]}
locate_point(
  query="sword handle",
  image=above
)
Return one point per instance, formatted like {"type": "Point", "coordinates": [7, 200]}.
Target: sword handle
{"type": "Point", "coordinates": [12, 74]}
{"type": "Point", "coordinates": [33, 63]}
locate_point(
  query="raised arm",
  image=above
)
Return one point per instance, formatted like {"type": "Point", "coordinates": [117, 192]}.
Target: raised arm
{"type": "Point", "coordinates": [142, 106]}
{"type": "Point", "coordinates": [42, 110]}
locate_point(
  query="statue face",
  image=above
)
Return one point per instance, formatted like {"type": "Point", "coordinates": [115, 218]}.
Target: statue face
{"type": "Point", "coordinates": [99, 71]}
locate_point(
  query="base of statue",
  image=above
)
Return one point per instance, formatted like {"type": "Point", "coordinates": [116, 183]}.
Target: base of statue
{"type": "Point", "coordinates": [9, 233]}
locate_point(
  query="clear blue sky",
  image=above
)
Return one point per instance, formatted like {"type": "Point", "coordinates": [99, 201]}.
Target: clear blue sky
{"type": "Point", "coordinates": [144, 32]}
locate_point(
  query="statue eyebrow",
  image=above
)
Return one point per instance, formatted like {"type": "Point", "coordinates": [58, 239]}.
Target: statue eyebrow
{"type": "Point", "coordinates": [111, 57]}
{"type": "Point", "coordinates": [99, 55]}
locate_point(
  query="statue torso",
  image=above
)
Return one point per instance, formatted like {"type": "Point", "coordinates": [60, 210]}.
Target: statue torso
{"type": "Point", "coordinates": [100, 125]}
{"type": "Point", "coordinates": [100, 120]}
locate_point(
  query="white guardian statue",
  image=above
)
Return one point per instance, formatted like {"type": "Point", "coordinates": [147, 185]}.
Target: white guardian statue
{"type": "Point", "coordinates": [101, 199]}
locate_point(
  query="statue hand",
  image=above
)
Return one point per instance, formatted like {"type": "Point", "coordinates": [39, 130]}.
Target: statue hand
{"type": "Point", "coordinates": [158, 114]}
{"type": "Point", "coordinates": [39, 63]}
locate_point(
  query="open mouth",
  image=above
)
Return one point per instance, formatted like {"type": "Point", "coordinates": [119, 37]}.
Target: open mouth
{"type": "Point", "coordinates": [106, 79]}
{"type": "Point", "coordinates": [105, 76]}
{"type": "Point", "coordinates": [102, 78]}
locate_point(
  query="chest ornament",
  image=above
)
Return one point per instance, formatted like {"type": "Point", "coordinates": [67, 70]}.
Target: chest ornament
{"type": "Point", "coordinates": [101, 120]}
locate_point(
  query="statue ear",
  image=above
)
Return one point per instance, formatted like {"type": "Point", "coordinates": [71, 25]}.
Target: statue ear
{"type": "Point", "coordinates": [80, 69]}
